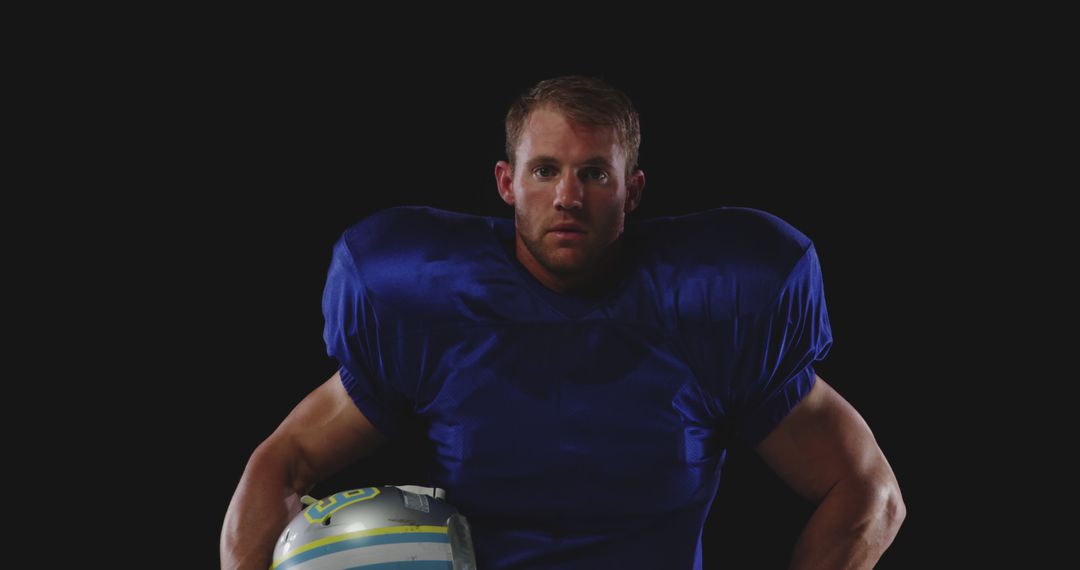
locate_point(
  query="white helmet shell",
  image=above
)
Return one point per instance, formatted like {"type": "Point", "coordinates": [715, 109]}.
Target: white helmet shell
{"type": "Point", "coordinates": [377, 525]}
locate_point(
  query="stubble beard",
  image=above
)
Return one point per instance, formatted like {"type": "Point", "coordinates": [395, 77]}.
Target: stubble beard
{"type": "Point", "coordinates": [564, 264]}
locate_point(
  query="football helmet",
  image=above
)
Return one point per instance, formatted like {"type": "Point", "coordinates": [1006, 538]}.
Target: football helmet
{"type": "Point", "coordinates": [401, 524]}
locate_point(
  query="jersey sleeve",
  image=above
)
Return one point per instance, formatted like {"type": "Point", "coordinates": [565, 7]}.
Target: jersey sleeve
{"type": "Point", "coordinates": [774, 363]}
{"type": "Point", "coordinates": [352, 336]}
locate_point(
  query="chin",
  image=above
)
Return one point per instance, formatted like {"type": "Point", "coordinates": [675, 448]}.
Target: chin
{"type": "Point", "coordinates": [566, 262]}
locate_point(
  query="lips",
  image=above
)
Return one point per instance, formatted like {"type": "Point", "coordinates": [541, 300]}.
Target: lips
{"type": "Point", "coordinates": [566, 233]}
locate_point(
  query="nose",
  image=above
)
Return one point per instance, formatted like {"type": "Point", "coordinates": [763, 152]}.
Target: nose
{"type": "Point", "coordinates": [569, 193]}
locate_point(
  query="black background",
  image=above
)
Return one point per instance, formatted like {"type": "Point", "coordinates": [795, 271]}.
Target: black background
{"type": "Point", "coordinates": [254, 157]}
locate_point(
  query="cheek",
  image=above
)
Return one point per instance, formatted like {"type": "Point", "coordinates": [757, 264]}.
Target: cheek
{"type": "Point", "coordinates": [528, 204]}
{"type": "Point", "coordinates": [609, 212]}
{"type": "Point", "coordinates": [525, 219]}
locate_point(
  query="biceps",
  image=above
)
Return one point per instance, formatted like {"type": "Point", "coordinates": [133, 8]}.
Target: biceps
{"type": "Point", "coordinates": [325, 433]}
{"type": "Point", "coordinates": [821, 441]}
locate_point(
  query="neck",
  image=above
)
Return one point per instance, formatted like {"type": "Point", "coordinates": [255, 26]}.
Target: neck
{"type": "Point", "coordinates": [594, 282]}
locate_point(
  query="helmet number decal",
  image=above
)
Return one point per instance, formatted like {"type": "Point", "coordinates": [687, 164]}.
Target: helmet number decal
{"type": "Point", "coordinates": [317, 513]}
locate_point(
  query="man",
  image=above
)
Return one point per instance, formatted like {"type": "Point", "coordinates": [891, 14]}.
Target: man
{"type": "Point", "coordinates": [581, 378]}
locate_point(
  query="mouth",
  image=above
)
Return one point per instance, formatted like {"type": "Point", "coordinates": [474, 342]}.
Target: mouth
{"type": "Point", "coordinates": [567, 234]}
{"type": "Point", "coordinates": [568, 228]}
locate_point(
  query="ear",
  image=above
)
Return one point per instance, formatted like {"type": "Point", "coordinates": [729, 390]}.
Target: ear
{"type": "Point", "coordinates": [504, 179]}
{"type": "Point", "coordinates": [635, 185]}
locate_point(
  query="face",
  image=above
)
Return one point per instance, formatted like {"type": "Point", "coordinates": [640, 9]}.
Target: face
{"type": "Point", "coordinates": [568, 172]}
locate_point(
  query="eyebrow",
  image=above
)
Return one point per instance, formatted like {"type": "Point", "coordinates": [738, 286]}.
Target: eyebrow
{"type": "Point", "coordinates": [593, 161]}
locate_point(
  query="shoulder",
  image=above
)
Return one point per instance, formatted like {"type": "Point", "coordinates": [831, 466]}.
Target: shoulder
{"type": "Point", "coordinates": [753, 230]}
{"type": "Point", "coordinates": [402, 227]}
{"type": "Point", "coordinates": [741, 253]}
{"type": "Point", "coordinates": [410, 256]}
{"type": "Point", "coordinates": [772, 251]}
{"type": "Point", "coordinates": [403, 235]}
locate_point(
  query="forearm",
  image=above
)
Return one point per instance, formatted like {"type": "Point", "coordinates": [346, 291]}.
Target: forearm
{"type": "Point", "coordinates": [851, 528]}
{"type": "Point", "coordinates": [264, 503]}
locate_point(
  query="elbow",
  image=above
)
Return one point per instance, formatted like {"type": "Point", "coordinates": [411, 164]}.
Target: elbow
{"type": "Point", "coordinates": [897, 509]}
{"type": "Point", "coordinates": [892, 508]}
{"type": "Point", "coordinates": [880, 502]}
{"type": "Point", "coordinates": [886, 502]}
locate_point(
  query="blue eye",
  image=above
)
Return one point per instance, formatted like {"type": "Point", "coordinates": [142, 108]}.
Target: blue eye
{"type": "Point", "coordinates": [592, 173]}
{"type": "Point", "coordinates": [601, 173]}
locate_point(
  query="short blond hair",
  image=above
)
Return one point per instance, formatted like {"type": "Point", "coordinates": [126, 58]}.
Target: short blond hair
{"type": "Point", "coordinates": [588, 100]}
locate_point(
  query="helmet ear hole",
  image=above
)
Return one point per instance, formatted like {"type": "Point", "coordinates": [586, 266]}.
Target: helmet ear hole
{"type": "Point", "coordinates": [326, 521]}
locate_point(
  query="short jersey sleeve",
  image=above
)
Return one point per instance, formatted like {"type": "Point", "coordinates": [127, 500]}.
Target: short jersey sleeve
{"type": "Point", "coordinates": [777, 348]}
{"type": "Point", "coordinates": [351, 334]}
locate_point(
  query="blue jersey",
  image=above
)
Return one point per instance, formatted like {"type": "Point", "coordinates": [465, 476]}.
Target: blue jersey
{"type": "Point", "coordinates": [578, 432]}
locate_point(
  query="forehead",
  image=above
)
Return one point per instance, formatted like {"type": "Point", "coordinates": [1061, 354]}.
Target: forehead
{"type": "Point", "coordinates": [550, 133]}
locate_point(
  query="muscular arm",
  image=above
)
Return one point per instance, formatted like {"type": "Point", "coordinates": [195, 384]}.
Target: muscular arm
{"type": "Point", "coordinates": [323, 434]}
{"type": "Point", "coordinates": [825, 451]}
